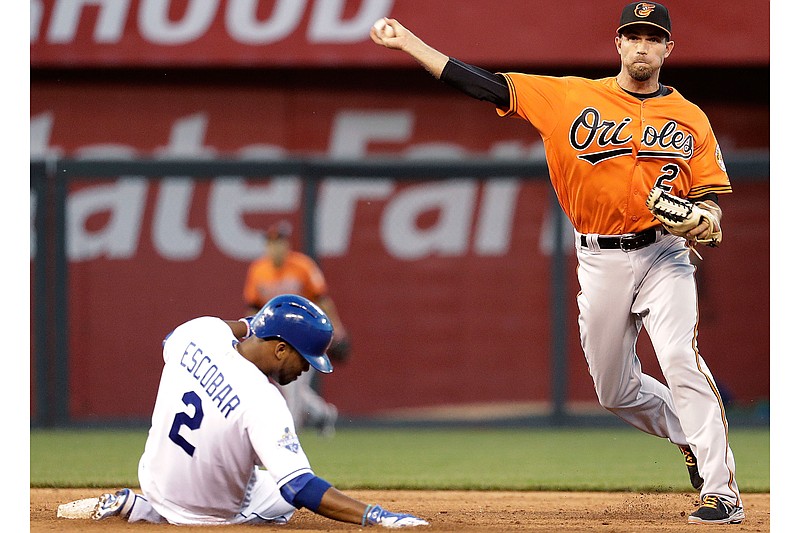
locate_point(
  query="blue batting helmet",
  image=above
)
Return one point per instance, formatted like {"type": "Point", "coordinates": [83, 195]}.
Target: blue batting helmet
{"type": "Point", "coordinates": [300, 323]}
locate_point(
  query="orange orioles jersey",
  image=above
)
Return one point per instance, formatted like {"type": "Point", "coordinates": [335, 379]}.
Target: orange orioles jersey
{"type": "Point", "coordinates": [606, 149]}
{"type": "Point", "coordinates": [299, 274]}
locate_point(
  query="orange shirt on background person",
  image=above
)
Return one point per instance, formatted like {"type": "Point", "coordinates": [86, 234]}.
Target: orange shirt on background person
{"type": "Point", "coordinates": [282, 270]}
{"type": "Point", "coordinates": [298, 274]}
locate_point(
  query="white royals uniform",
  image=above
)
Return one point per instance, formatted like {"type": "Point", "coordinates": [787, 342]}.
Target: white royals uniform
{"type": "Point", "coordinates": [217, 418]}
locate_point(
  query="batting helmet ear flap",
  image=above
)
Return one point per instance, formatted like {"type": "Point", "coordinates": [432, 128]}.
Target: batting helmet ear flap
{"type": "Point", "coordinates": [299, 322]}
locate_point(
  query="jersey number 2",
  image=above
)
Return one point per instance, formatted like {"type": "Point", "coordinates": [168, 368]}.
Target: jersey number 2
{"type": "Point", "coordinates": [670, 172]}
{"type": "Point", "coordinates": [183, 419]}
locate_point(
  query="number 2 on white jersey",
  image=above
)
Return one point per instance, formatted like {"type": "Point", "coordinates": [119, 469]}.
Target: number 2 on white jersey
{"type": "Point", "coordinates": [183, 419]}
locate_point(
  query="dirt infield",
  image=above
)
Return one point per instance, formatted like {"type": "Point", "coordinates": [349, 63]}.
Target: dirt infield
{"type": "Point", "coordinates": [472, 511]}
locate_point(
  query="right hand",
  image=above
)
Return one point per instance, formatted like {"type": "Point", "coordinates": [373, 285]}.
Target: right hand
{"type": "Point", "coordinates": [394, 42]}
{"type": "Point", "coordinates": [431, 59]}
{"type": "Point", "coordinates": [375, 514]}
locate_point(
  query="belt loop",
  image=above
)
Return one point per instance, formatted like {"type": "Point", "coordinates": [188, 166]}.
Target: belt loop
{"type": "Point", "coordinates": [591, 242]}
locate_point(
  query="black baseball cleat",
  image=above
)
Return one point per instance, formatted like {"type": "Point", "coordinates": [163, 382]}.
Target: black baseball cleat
{"type": "Point", "coordinates": [715, 510]}
{"type": "Point", "coordinates": [691, 466]}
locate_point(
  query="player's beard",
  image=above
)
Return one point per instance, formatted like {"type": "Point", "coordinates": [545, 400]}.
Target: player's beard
{"type": "Point", "coordinates": [640, 71]}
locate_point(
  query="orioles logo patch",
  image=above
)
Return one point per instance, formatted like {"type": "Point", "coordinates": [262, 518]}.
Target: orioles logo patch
{"type": "Point", "coordinates": [718, 156]}
{"type": "Point", "coordinates": [643, 9]}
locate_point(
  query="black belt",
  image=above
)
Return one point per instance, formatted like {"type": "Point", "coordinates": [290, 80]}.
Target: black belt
{"type": "Point", "coordinates": [630, 241]}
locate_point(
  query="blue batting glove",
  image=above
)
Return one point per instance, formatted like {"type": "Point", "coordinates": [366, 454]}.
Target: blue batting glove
{"type": "Point", "coordinates": [375, 514]}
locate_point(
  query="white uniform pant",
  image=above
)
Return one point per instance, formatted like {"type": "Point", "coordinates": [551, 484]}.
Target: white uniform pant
{"type": "Point", "coordinates": [264, 504]}
{"type": "Point", "coordinates": [654, 287]}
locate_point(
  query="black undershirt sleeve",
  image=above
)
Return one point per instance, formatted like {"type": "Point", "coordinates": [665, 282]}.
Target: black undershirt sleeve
{"type": "Point", "coordinates": [476, 82]}
{"type": "Point", "coordinates": [708, 196]}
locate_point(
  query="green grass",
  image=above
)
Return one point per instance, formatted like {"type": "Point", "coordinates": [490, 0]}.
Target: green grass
{"type": "Point", "coordinates": [468, 459]}
{"type": "Point", "coordinates": [86, 458]}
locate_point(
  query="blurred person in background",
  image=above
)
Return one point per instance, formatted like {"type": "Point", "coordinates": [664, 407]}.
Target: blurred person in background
{"type": "Point", "coordinates": [283, 270]}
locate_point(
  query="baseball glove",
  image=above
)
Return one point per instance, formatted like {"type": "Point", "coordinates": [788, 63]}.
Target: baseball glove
{"type": "Point", "coordinates": [339, 350]}
{"type": "Point", "coordinates": [679, 216]}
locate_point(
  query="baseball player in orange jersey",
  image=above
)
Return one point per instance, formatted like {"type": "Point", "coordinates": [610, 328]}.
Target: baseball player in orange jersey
{"type": "Point", "coordinates": [282, 270]}
{"type": "Point", "coordinates": [608, 142]}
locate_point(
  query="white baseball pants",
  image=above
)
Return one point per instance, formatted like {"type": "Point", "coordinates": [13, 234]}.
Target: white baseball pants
{"type": "Point", "coordinates": [654, 287]}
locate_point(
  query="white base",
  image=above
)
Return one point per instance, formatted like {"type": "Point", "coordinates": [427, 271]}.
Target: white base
{"type": "Point", "coordinates": [78, 508]}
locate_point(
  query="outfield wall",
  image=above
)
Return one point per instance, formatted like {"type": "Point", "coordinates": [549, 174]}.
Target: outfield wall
{"type": "Point", "coordinates": [440, 282]}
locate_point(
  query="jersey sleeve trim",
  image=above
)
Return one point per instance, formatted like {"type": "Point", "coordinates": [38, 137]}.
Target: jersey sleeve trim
{"type": "Point", "coordinates": [697, 192]}
{"type": "Point", "coordinates": [512, 97]}
{"type": "Point", "coordinates": [290, 476]}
